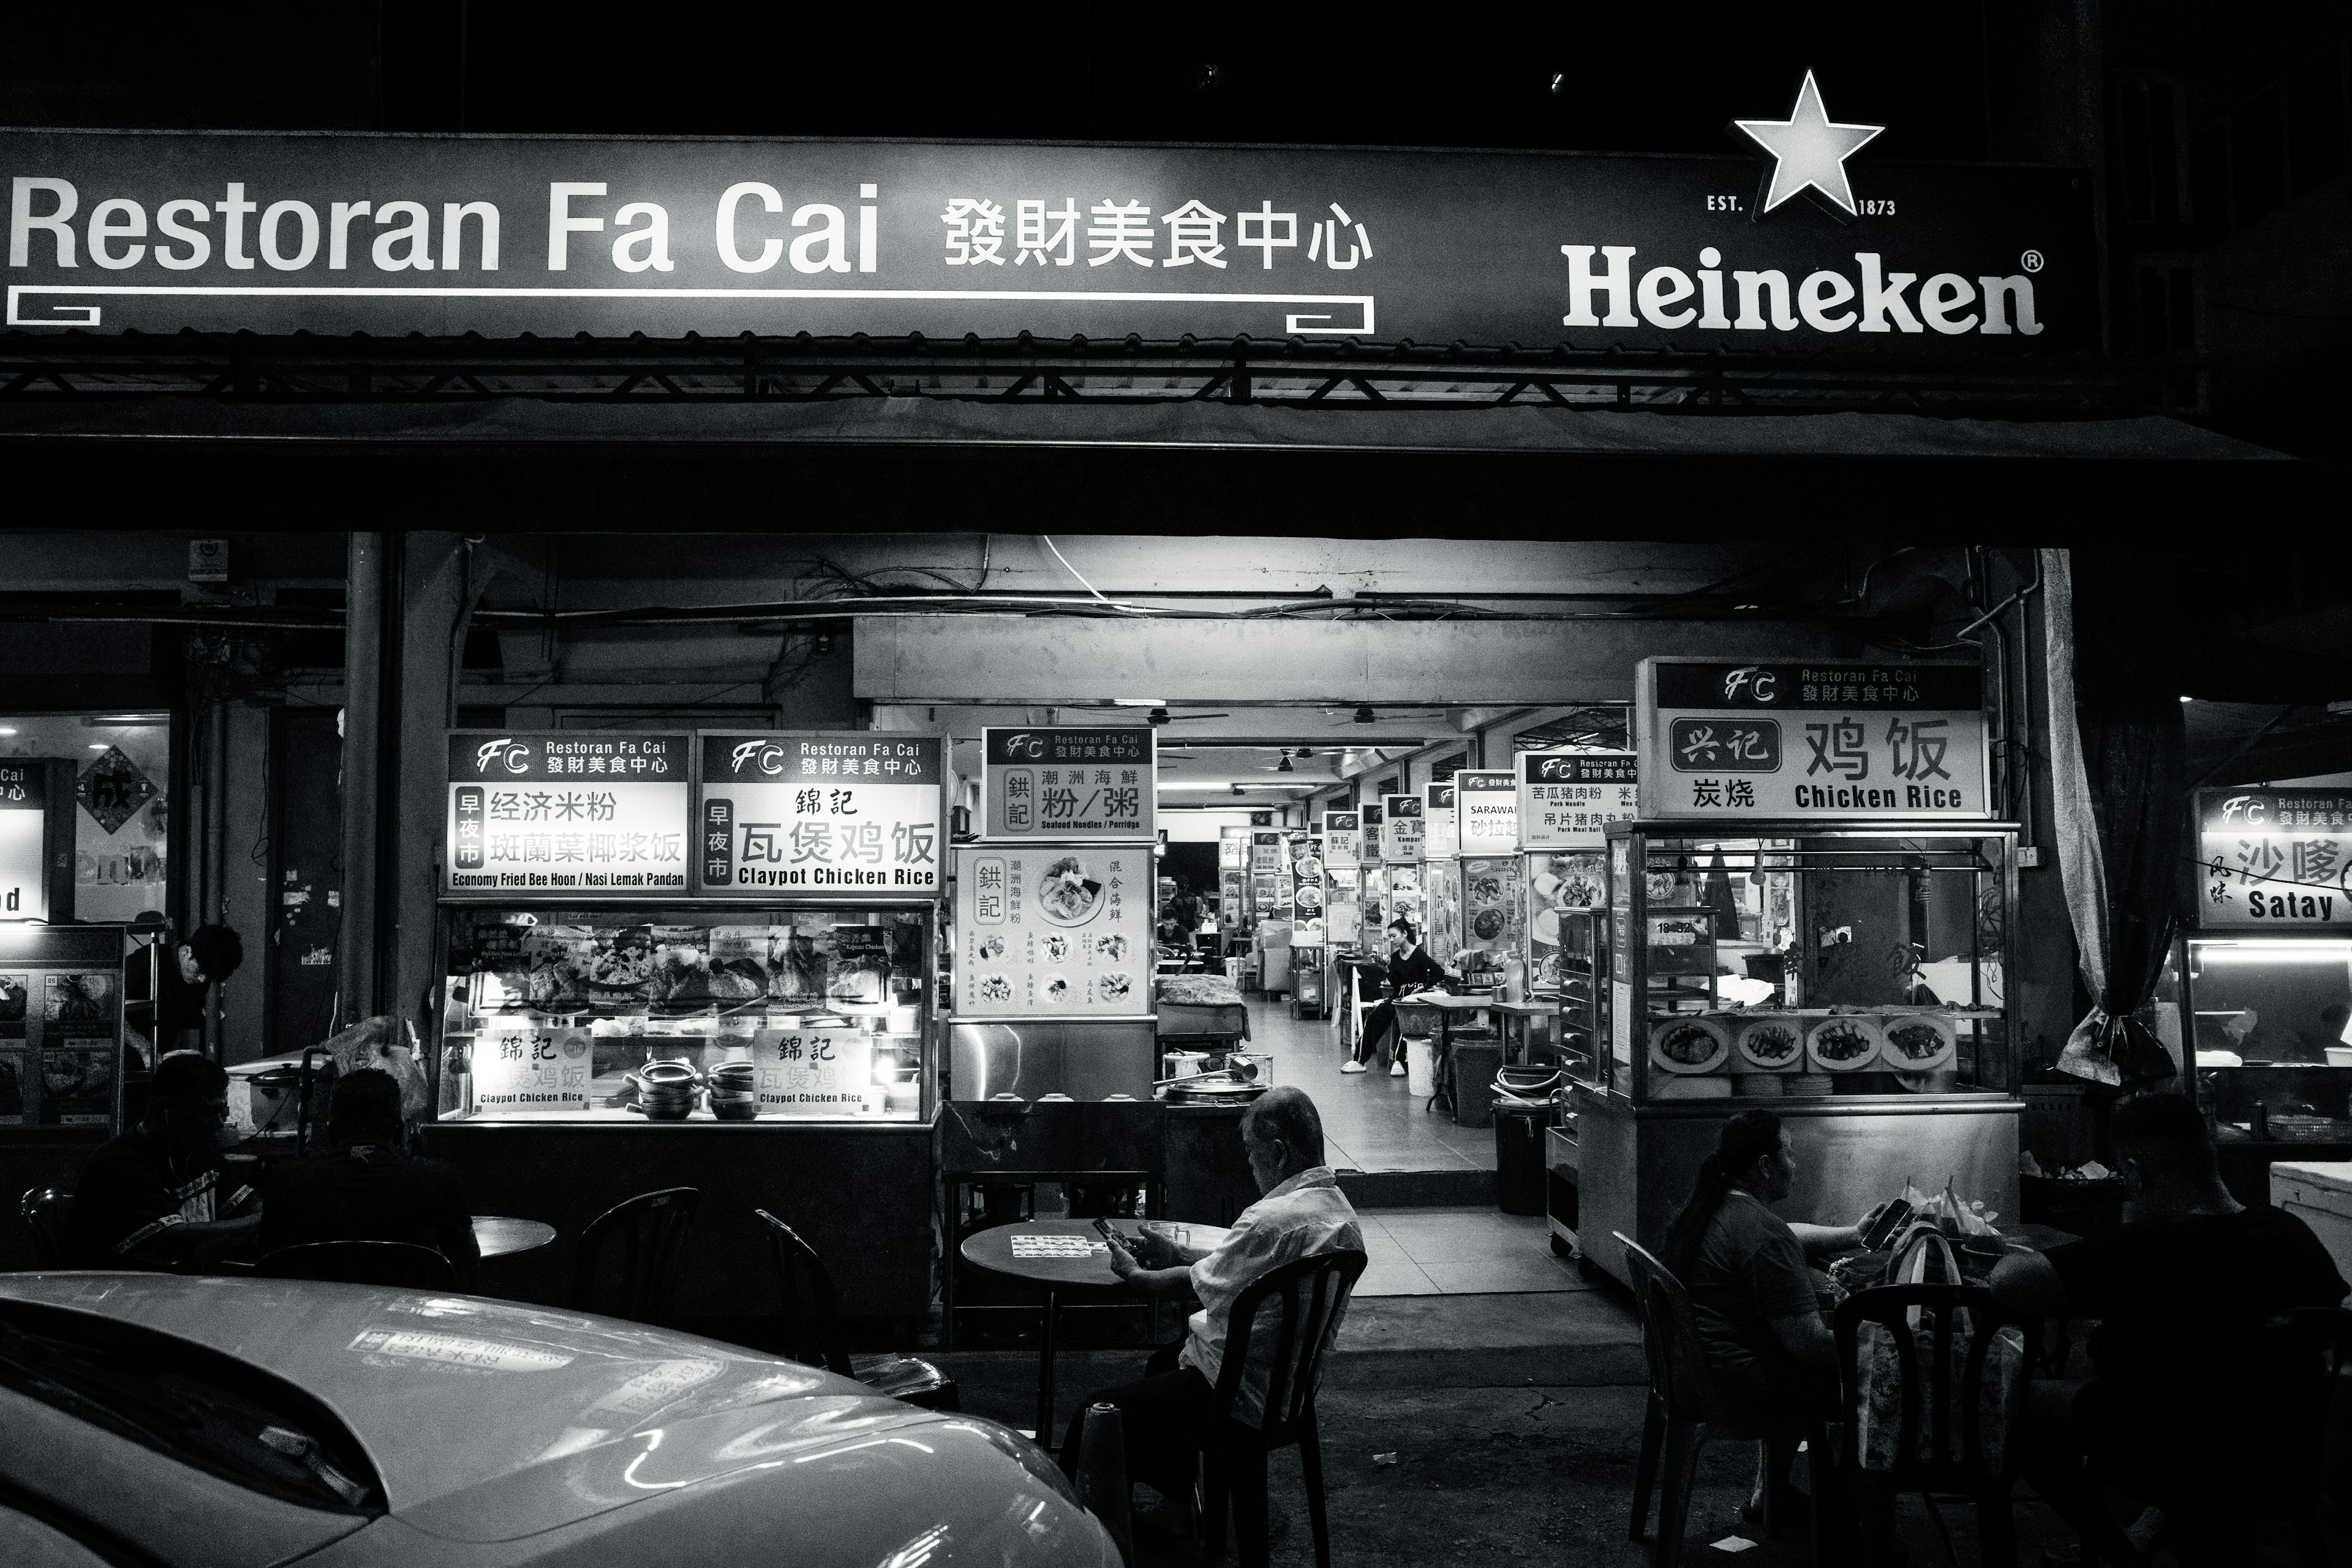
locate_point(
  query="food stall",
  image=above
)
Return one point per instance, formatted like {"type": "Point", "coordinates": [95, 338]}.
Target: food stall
{"type": "Point", "coordinates": [1566, 801]}
{"type": "Point", "coordinates": [1809, 916]}
{"type": "Point", "coordinates": [2260, 988]}
{"type": "Point", "coordinates": [699, 960]}
{"type": "Point", "coordinates": [1441, 871]}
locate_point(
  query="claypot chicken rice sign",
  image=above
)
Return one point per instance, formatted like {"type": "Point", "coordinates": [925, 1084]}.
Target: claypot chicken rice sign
{"type": "Point", "coordinates": [856, 813]}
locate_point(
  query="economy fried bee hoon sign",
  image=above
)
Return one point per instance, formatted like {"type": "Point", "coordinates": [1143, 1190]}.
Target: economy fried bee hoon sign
{"type": "Point", "coordinates": [1827, 739]}
{"type": "Point", "coordinates": [557, 814]}
{"type": "Point", "coordinates": [856, 812]}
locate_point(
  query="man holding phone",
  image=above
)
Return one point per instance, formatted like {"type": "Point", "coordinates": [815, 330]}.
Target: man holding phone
{"type": "Point", "coordinates": [1303, 1213]}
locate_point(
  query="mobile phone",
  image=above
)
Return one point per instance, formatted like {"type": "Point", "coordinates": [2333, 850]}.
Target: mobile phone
{"type": "Point", "coordinates": [1103, 1226]}
{"type": "Point", "coordinates": [1882, 1231]}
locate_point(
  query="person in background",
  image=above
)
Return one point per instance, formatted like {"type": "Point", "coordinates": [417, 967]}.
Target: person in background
{"type": "Point", "coordinates": [189, 971]}
{"type": "Point", "coordinates": [1771, 1365]}
{"type": "Point", "coordinates": [1410, 969]}
{"type": "Point", "coordinates": [2179, 1399]}
{"type": "Point", "coordinates": [1302, 1213]}
{"type": "Point", "coordinates": [151, 1198]}
{"type": "Point", "coordinates": [1184, 909]}
{"type": "Point", "coordinates": [367, 1187]}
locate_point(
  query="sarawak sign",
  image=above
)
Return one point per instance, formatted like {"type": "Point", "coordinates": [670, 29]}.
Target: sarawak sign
{"type": "Point", "coordinates": [1831, 739]}
{"type": "Point", "coordinates": [390, 235]}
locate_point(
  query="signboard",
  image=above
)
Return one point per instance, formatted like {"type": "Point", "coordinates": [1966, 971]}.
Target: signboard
{"type": "Point", "coordinates": [1487, 808]}
{"type": "Point", "coordinates": [1440, 835]}
{"type": "Point", "coordinates": [1307, 876]}
{"type": "Point", "coordinates": [1341, 830]}
{"type": "Point", "coordinates": [1493, 913]}
{"type": "Point", "coordinates": [24, 815]}
{"type": "Point", "coordinates": [157, 231]}
{"type": "Point", "coordinates": [1232, 847]}
{"type": "Point", "coordinates": [1566, 798]}
{"type": "Point", "coordinates": [1064, 786]}
{"type": "Point", "coordinates": [1053, 931]}
{"type": "Point", "coordinates": [1837, 740]}
{"type": "Point", "coordinates": [1369, 841]}
{"type": "Point", "coordinates": [1401, 828]}
{"type": "Point", "coordinates": [1266, 851]}
{"type": "Point", "coordinates": [856, 812]}
{"type": "Point", "coordinates": [820, 1073]}
{"type": "Point", "coordinates": [559, 814]}
{"type": "Point", "coordinates": [2274, 859]}
{"type": "Point", "coordinates": [524, 1061]}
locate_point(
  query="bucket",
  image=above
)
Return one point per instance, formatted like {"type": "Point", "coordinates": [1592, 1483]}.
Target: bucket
{"type": "Point", "coordinates": [1520, 1185]}
{"type": "Point", "coordinates": [1421, 1067]}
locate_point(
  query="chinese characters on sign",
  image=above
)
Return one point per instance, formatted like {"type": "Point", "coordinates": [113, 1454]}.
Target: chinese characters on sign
{"type": "Point", "coordinates": [566, 812]}
{"type": "Point", "coordinates": [525, 1063]}
{"type": "Point", "coordinates": [2274, 859]}
{"type": "Point", "coordinates": [1487, 809]}
{"type": "Point", "coordinates": [1568, 799]}
{"type": "Point", "coordinates": [1901, 739]}
{"type": "Point", "coordinates": [1060, 785]}
{"type": "Point", "coordinates": [24, 815]}
{"type": "Point", "coordinates": [1340, 829]}
{"type": "Point", "coordinates": [1401, 825]}
{"type": "Point", "coordinates": [1053, 931]}
{"type": "Point", "coordinates": [819, 1073]}
{"type": "Point", "coordinates": [1441, 833]}
{"type": "Point", "coordinates": [852, 813]}
{"type": "Point", "coordinates": [1115, 231]}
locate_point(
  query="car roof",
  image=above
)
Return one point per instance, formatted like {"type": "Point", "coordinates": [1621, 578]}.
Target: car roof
{"type": "Point", "coordinates": [447, 1390]}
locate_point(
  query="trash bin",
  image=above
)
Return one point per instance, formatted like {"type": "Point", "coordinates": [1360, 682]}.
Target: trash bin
{"type": "Point", "coordinates": [1519, 1128]}
{"type": "Point", "coordinates": [1421, 1067]}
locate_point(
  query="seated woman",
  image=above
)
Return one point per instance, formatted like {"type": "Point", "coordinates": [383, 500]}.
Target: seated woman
{"type": "Point", "coordinates": [1772, 1364]}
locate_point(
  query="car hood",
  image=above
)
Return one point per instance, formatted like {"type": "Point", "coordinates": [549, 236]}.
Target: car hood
{"type": "Point", "coordinates": [457, 1396]}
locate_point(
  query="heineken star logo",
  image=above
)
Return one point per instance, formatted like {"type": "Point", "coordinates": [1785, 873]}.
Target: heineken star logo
{"type": "Point", "coordinates": [1809, 150]}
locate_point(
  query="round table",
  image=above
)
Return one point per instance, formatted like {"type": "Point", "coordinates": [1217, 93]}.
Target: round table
{"type": "Point", "coordinates": [992, 1249]}
{"type": "Point", "coordinates": [499, 1236]}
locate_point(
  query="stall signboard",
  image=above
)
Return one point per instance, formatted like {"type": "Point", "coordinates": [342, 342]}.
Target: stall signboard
{"type": "Point", "coordinates": [1267, 853]}
{"type": "Point", "coordinates": [855, 813]}
{"type": "Point", "coordinates": [525, 1061]}
{"type": "Point", "coordinates": [1493, 919]}
{"type": "Point", "coordinates": [1568, 799]}
{"type": "Point", "coordinates": [559, 814]}
{"type": "Point", "coordinates": [1059, 930]}
{"type": "Point", "coordinates": [2274, 859]}
{"type": "Point", "coordinates": [161, 232]}
{"type": "Point", "coordinates": [1232, 847]}
{"type": "Point", "coordinates": [1368, 842]}
{"type": "Point", "coordinates": [1069, 785]}
{"type": "Point", "coordinates": [1307, 876]}
{"type": "Point", "coordinates": [813, 1074]}
{"type": "Point", "coordinates": [1487, 811]}
{"type": "Point", "coordinates": [1834, 740]}
{"type": "Point", "coordinates": [1401, 828]}
{"type": "Point", "coordinates": [23, 817]}
{"type": "Point", "coordinates": [1441, 833]}
{"type": "Point", "coordinates": [1341, 830]}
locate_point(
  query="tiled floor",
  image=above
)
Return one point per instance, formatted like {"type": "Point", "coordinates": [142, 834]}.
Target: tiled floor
{"type": "Point", "coordinates": [1371, 1121]}
{"type": "Point", "coordinates": [1459, 1252]}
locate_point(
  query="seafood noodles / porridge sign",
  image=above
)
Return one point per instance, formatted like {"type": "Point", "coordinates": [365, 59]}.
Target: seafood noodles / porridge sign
{"type": "Point", "coordinates": [1052, 932]}
{"type": "Point", "coordinates": [1056, 785]}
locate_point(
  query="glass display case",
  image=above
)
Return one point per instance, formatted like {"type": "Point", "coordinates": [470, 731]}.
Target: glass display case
{"type": "Point", "coordinates": [697, 1015]}
{"type": "Point", "coordinates": [1847, 962]}
{"type": "Point", "coordinates": [65, 1058]}
{"type": "Point", "coordinates": [1441, 885]}
{"type": "Point", "coordinates": [2269, 1021]}
{"type": "Point", "coordinates": [1578, 978]}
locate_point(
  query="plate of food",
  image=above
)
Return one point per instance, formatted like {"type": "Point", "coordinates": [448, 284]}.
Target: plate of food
{"type": "Point", "coordinates": [993, 988]}
{"type": "Point", "coordinates": [1115, 987]}
{"type": "Point", "coordinates": [1066, 894]}
{"type": "Point", "coordinates": [1057, 947]}
{"type": "Point", "coordinates": [1486, 924]}
{"type": "Point", "coordinates": [1771, 1042]}
{"type": "Point", "coordinates": [1689, 1045]}
{"type": "Point", "coordinates": [1842, 1042]}
{"type": "Point", "coordinates": [1111, 947]}
{"type": "Point", "coordinates": [1056, 989]}
{"type": "Point", "coordinates": [1917, 1042]}
{"type": "Point", "coordinates": [990, 947]}
{"type": "Point", "coordinates": [1310, 896]}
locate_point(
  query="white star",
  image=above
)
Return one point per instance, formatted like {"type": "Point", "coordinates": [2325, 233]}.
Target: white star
{"type": "Point", "coordinates": [1811, 149]}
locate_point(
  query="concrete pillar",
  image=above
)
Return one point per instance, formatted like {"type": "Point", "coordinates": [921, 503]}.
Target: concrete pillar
{"type": "Point", "coordinates": [246, 903]}
{"type": "Point", "coordinates": [357, 985]}
{"type": "Point", "coordinates": [435, 598]}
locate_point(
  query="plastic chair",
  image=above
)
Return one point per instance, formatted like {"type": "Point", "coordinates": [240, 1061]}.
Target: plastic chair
{"type": "Point", "coordinates": [1954, 1462]}
{"type": "Point", "coordinates": [1310, 1295]}
{"type": "Point", "coordinates": [1681, 1418]}
{"type": "Point", "coordinates": [45, 1210]}
{"type": "Point", "coordinates": [402, 1264]}
{"type": "Point", "coordinates": [813, 1332]}
{"type": "Point", "coordinates": [649, 1230]}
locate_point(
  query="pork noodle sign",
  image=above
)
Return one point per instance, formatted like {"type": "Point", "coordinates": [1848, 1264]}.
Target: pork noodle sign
{"type": "Point", "coordinates": [502, 235]}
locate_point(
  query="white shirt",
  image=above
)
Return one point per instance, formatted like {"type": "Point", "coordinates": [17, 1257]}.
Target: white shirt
{"type": "Point", "coordinates": [1302, 1216]}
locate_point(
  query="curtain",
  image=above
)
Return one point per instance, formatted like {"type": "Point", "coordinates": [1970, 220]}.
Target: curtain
{"type": "Point", "coordinates": [2116, 747]}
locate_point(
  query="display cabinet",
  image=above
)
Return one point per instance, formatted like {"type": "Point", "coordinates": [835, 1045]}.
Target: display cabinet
{"type": "Point", "coordinates": [1579, 979]}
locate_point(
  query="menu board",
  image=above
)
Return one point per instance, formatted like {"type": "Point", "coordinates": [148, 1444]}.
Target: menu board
{"type": "Point", "coordinates": [1492, 918]}
{"type": "Point", "coordinates": [1487, 808]}
{"type": "Point", "coordinates": [1307, 876]}
{"type": "Point", "coordinates": [557, 814]}
{"type": "Point", "coordinates": [1440, 835]}
{"type": "Point", "coordinates": [1061, 930]}
{"type": "Point", "coordinates": [856, 812]}
{"type": "Point", "coordinates": [24, 812]}
{"type": "Point", "coordinates": [1401, 828]}
{"type": "Point", "coordinates": [1557, 883]}
{"type": "Point", "coordinates": [1836, 740]}
{"type": "Point", "coordinates": [1567, 799]}
{"type": "Point", "coordinates": [2274, 859]}
{"type": "Point", "coordinates": [1341, 832]}
{"type": "Point", "coordinates": [1067, 786]}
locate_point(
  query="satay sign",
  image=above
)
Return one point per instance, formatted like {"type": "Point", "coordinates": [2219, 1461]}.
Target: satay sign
{"type": "Point", "coordinates": [1829, 739]}
{"type": "Point", "coordinates": [1042, 785]}
{"type": "Point", "coordinates": [2274, 859]}
{"type": "Point", "coordinates": [855, 812]}
{"type": "Point", "coordinates": [335, 234]}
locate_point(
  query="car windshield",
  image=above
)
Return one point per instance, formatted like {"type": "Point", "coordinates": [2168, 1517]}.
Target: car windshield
{"type": "Point", "coordinates": [204, 1409]}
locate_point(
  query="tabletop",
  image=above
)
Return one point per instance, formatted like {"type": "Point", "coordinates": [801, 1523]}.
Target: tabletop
{"type": "Point", "coordinates": [1448, 1002]}
{"type": "Point", "coordinates": [498, 1235]}
{"type": "Point", "coordinates": [1534, 1007]}
{"type": "Point", "coordinates": [993, 1249]}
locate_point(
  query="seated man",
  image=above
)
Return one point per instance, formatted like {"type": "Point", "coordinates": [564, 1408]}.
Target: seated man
{"type": "Point", "coordinates": [1302, 1213]}
{"type": "Point", "coordinates": [2178, 1401]}
{"type": "Point", "coordinates": [1410, 969]}
{"type": "Point", "coordinates": [367, 1188]}
{"type": "Point", "coordinates": [151, 1198]}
